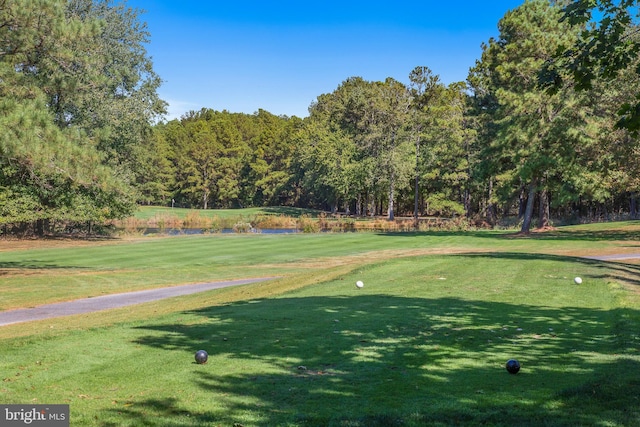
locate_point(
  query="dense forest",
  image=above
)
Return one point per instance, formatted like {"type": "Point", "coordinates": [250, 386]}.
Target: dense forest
{"type": "Point", "coordinates": [544, 127]}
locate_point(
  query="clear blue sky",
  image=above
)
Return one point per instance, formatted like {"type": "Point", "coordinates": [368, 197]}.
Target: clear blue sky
{"type": "Point", "coordinates": [242, 55]}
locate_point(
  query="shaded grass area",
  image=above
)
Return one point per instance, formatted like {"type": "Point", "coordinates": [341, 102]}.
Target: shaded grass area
{"type": "Point", "coordinates": [423, 343]}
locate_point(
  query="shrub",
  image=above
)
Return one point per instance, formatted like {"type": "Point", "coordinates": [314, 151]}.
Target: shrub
{"type": "Point", "coordinates": [242, 227]}
{"type": "Point", "coordinates": [308, 224]}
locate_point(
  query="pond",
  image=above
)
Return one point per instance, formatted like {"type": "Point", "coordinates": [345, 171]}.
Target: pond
{"type": "Point", "coordinates": [195, 231]}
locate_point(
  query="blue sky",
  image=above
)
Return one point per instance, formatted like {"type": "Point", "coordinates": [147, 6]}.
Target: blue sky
{"type": "Point", "coordinates": [280, 55]}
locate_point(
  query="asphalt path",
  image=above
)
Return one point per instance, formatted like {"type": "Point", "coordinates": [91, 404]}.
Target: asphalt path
{"type": "Point", "coordinates": [106, 302]}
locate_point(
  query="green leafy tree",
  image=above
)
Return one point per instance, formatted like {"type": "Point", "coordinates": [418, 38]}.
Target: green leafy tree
{"type": "Point", "coordinates": [603, 62]}
{"type": "Point", "coordinates": [446, 167]}
{"type": "Point", "coordinates": [536, 132]}
{"type": "Point", "coordinates": [155, 173]}
{"type": "Point", "coordinates": [375, 116]}
{"type": "Point", "coordinates": [232, 159]}
{"type": "Point", "coordinates": [325, 160]}
{"type": "Point", "coordinates": [334, 148]}
{"type": "Point", "coordinates": [425, 89]}
{"type": "Point", "coordinates": [392, 134]}
{"type": "Point", "coordinates": [112, 92]}
{"type": "Point", "coordinates": [613, 175]}
{"type": "Point", "coordinates": [268, 174]}
{"type": "Point", "coordinates": [608, 44]}
{"type": "Point", "coordinates": [48, 173]}
{"type": "Point", "coordinates": [442, 143]}
{"type": "Point", "coordinates": [207, 155]}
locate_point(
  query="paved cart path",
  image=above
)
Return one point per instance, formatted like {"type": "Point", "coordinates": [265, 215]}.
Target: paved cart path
{"type": "Point", "coordinates": [105, 302]}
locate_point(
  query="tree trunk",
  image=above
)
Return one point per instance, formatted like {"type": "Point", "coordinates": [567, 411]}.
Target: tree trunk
{"type": "Point", "coordinates": [528, 212]}
{"type": "Point", "coordinates": [466, 199]}
{"type": "Point", "coordinates": [491, 208]}
{"type": "Point", "coordinates": [543, 213]}
{"type": "Point", "coordinates": [521, 203]}
{"type": "Point", "coordinates": [633, 206]}
{"type": "Point", "coordinates": [416, 194]}
{"type": "Point", "coordinates": [391, 196]}
{"type": "Point", "coordinates": [205, 199]}
{"type": "Point", "coordinates": [416, 199]}
{"type": "Point", "coordinates": [39, 227]}
{"type": "Point", "coordinates": [467, 191]}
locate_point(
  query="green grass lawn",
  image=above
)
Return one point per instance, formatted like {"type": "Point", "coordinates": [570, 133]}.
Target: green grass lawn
{"type": "Point", "coordinates": [423, 343]}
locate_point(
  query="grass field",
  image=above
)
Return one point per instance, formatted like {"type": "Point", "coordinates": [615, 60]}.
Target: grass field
{"type": "Point", "coordinates": [423, 343]}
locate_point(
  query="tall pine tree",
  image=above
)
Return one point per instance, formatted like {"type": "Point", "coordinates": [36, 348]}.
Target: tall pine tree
{"type": "Point", "coordinates": [532, 149]}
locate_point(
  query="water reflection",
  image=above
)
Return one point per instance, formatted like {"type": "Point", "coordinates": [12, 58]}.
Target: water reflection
{"type": "Point", "coordinates": [196, 231]}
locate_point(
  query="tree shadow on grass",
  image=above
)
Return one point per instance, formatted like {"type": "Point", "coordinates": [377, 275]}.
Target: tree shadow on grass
{"type": "Point", "coordinates": [380, 360]}
{"type": "Point", "coordinates": [10, 267]}
{"type": "Point", "coordinates": [589, 235]}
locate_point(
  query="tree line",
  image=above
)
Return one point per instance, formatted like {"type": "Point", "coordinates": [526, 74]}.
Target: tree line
{"type": "Point", "coordinates": [539, 129]}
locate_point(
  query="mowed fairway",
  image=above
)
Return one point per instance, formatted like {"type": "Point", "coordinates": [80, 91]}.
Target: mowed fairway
{"type": "Point", "coordinates": [424, 342]}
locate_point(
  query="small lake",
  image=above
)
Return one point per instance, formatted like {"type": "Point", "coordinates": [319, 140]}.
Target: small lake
{"type": "Point", "coordinates": [196, 231]}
